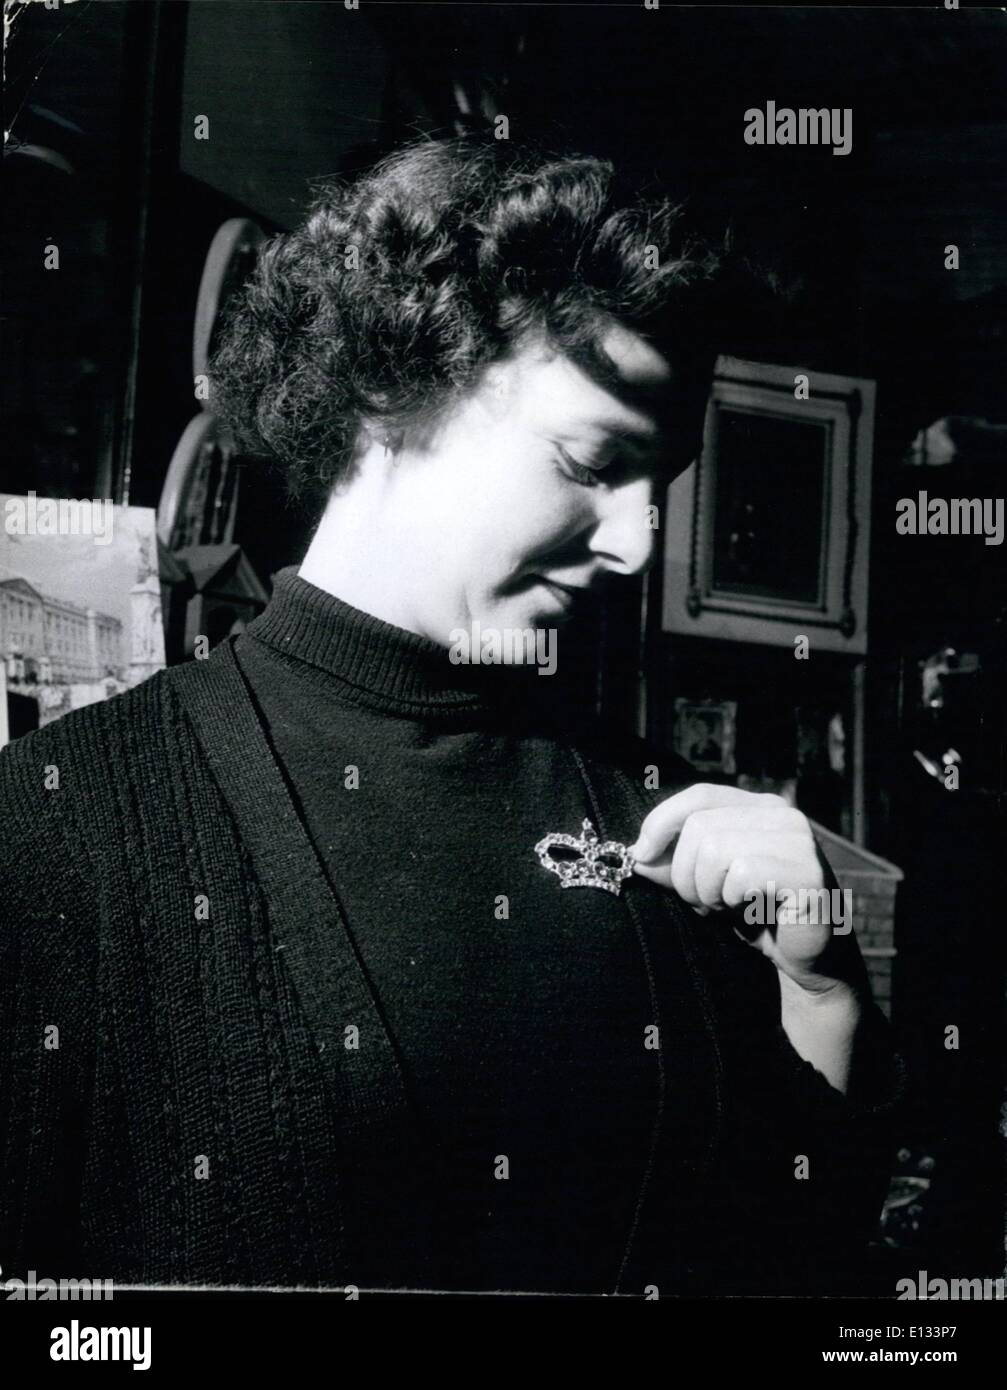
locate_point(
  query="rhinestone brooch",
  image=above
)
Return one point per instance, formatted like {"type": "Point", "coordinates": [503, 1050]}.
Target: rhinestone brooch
{"type": "Point", "coordinates": [587, 862]}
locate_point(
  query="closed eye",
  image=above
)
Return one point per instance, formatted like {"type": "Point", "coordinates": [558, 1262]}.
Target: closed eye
{"type": "Point", "coordinates": [577, 472]}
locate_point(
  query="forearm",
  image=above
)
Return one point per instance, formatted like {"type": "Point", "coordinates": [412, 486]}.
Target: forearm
{"type": "Point", "coordinates": [822, 1027]}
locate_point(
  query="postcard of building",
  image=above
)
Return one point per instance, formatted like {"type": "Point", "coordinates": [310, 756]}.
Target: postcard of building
{"type": "Point", "coordinates": [80, 608]}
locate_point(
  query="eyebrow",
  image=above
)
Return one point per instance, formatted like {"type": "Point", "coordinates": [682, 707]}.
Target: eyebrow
{"type": "Point", "coordinates": [627, 434]}
{"type": "Point", "coordinates": [622, 433]}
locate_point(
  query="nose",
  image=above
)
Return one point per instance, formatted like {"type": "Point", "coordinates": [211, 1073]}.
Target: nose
{"type": "Point", "coordinates": [625, 530]}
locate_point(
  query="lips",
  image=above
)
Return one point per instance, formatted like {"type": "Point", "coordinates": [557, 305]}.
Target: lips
{"type": "Point", "coordinates": [564, 592]}
{"type": "Point", "coordinates": [573, 590]}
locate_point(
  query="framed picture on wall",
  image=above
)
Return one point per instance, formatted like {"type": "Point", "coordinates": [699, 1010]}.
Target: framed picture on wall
{"type": "Point", "coordinates": [704, 732]}
{"type": "Point", "coordinates": [768, 533]}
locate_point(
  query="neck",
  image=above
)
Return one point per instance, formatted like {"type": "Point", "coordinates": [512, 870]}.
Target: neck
{"type": "Point", "coordinates": [350, 555]}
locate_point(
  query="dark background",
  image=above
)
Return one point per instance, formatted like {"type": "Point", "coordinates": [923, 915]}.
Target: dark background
{"type": "Point", "coordinates": [97, 383]}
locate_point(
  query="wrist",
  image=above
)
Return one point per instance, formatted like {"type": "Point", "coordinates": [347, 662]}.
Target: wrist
{"type": "Point", "coordinates": [834, 1000]}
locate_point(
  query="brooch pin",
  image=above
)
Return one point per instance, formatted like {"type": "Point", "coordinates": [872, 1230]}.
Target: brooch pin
{"type": "Point", "coordinates": [588, 863]}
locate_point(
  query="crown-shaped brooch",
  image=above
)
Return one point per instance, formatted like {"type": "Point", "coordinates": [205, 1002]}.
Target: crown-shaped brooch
{"type": "Point", "coordinates": [588, 863]}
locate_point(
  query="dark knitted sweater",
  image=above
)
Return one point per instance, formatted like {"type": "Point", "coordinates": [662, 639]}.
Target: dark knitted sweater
{"type": "Point", "coordinates": [445, 1083]}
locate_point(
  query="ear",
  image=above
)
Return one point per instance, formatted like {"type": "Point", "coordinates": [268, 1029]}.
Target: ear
{"type": "Point", "coordinates": [377, 432]}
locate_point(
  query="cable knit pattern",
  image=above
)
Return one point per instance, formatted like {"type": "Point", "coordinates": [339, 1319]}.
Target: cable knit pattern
{"type": "Point", "coordinates": [98, 887]}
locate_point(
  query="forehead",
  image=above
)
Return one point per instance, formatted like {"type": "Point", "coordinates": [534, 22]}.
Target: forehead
{"type": "Point", "coordinates": [552, 392]}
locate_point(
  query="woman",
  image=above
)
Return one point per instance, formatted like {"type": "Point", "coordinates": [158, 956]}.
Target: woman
{"type": "Point", "coordinates": [325, 1012]}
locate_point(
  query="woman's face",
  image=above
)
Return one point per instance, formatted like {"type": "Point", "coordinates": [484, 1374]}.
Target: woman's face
{"type": "Point", "coordinates": [533, 491]}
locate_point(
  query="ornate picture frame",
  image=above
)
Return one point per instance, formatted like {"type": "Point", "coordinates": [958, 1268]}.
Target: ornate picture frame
{"type": "Point", "coordinates": [768, 533]}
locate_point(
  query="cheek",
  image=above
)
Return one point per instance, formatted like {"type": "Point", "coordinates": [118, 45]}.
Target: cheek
{"type": "Point", "coordinates": [488, 507]}
{"type": "Point", "coordinates": [519, 528]}
{"type": "Point", "coordinates": [526, 499]}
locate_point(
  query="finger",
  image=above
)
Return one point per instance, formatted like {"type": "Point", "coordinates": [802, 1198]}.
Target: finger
{"type": "Point", "coordinates": [710, 840]}
{"type": "Point", "coordinates": [665, 821]}
{"type": "Point", "coordinates": [700, 834]}
{"type": "Point", "coordinates": [766, 874]}
{"type": "Point", "coordinates": [714, 858]}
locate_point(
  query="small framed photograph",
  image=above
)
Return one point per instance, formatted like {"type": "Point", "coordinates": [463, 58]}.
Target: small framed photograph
{"type": "Point", "coordinates": [704, 734]}
{"type": "Point", "coordinates": [769, 532]}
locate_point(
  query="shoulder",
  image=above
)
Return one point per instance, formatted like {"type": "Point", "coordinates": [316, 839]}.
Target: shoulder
{"type": "Point", "coordinates": [90, 729]}
{"type": "Point", "coordinates": [64, 768]}
{"type": "Point", "coordinates": [76, 798]}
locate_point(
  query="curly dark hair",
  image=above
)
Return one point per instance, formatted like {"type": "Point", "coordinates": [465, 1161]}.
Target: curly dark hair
{"type": "Point", "coordinates": [400, 287]}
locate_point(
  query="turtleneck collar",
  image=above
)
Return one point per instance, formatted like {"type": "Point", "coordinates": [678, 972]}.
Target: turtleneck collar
{"type": "Point", "coordinates": [379, 664]}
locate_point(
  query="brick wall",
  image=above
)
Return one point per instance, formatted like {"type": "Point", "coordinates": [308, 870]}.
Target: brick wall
{"type": "Point", "coordinates": [874, 924]}
{"type": "Point", "coordinates": [873, 881]}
